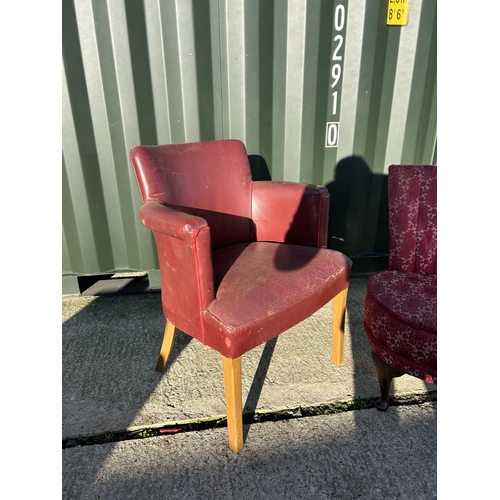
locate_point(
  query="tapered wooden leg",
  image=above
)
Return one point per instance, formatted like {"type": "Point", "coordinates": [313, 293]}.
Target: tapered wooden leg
{"type": "Point", "coordinates": [166, 346]}
{"type": "Point", "coordinates": [338, 325]}
{"type": "Point", "coordinates": [232, 389]}
{"type": "Point", "coordinates": [385, 373]}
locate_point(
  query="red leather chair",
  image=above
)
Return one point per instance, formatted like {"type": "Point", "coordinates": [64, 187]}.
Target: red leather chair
{"type": "Point", "coordinates": [240, 261]}
{"type": "Point", "coordinates": [401, 303]}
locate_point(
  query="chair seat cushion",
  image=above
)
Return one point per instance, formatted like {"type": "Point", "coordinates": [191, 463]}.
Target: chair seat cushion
{"type": "Point", "coordinates": [401, 321]}
{"type": "Point", "coordinates": [264, 288]}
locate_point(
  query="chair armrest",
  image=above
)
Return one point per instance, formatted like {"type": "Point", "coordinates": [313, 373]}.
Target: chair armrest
{"type": "Point", "coordinates": [290, 212]}
{"type": "Point", "coordinates": [185, 257]}
{"type": "Point", "coordinates": [171, 222]}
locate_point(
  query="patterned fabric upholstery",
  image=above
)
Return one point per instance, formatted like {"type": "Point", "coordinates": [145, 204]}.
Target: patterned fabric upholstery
{"type": "Point", "coordinates": [401, 303]}
{"type": "Point", "coordinates": [413, 218]}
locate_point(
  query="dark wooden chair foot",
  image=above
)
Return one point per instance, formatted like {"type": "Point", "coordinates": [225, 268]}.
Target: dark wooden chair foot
{"type": "Point", "coordinates": [385, 375]}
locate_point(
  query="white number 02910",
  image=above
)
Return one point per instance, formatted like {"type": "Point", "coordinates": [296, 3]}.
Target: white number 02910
{"type": "Point", "coordinates": [332, 128]}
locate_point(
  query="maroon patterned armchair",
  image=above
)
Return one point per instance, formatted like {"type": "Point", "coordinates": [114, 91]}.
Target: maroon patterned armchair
{"type": "Point", "coordinates": [401, 303]}
{"type": "Point", "coordinates": [240, 261]}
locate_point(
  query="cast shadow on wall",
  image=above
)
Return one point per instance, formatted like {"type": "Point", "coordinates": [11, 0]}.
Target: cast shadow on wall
{"type": "Point", "coordinates": [258, 166]}
{"type": "Point", "coordinates": [359, 215]}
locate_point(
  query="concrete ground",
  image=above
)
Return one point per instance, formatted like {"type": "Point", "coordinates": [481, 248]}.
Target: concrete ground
{"type": "Point", "coordinates": [110, 347]}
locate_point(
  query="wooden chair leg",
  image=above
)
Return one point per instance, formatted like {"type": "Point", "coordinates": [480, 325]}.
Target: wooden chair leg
{"type": "Point", "coordinates": [338, 325]}
{"type": "Point", "coordinates": [166, 346]}
{"type": "Point", "coordinates": [232, 389]}
{"type": "Point", "coordinates": [385, 373]}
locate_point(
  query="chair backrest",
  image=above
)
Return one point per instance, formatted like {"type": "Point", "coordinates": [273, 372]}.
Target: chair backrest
{"type": "Point", "coordinates": [210, 179]}
{"type": "Point", "coordinates": [413, 218]}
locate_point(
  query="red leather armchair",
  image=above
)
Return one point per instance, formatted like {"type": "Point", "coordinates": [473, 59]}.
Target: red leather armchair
{"type": "Point", "coordinates": [401, 303]}
{"type": "Point", "coordinates": [240, 261]}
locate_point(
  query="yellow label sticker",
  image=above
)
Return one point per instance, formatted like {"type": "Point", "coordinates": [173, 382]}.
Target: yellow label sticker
{"type": "Point", "coordinates": [397, 12]}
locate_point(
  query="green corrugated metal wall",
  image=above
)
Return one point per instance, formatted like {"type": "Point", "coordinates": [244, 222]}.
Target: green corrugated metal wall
{"type": "Point", "coordinates": [171, 71]}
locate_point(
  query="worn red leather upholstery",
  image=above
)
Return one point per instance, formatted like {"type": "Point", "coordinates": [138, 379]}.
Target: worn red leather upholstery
{"type": "Point", "coordinates": [401, 303]}
{"type": "Point", "coordinates": [240, 261]}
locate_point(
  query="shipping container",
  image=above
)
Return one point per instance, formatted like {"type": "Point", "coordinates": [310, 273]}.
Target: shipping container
{"type": "Point", "coordinates": [320, 91]}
